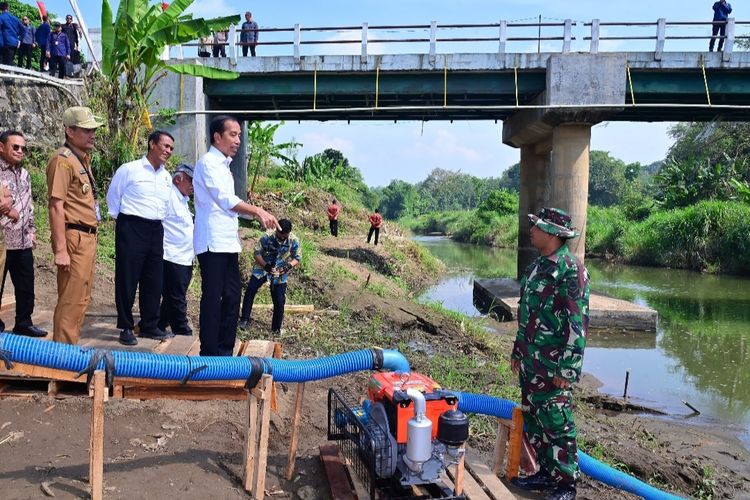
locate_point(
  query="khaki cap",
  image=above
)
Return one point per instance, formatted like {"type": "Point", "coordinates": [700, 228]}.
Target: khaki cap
{"type": "Point", "coordinates": [80, 116]}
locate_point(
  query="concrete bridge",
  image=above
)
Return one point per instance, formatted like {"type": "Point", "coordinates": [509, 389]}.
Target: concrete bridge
{"type": "Point", "coordinates": [548, 102]}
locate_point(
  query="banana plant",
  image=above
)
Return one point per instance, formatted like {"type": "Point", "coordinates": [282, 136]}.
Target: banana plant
{"type": "Point", "coordinates": [263, 148]}
{"type": "Point", "coordinates": [132, 44]}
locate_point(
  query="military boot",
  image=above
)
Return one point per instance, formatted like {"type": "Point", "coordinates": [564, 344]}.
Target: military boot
{"type": "Point", "coordinates": [563, 491]}
{"type": "Point", "coordinates": [539, 481]}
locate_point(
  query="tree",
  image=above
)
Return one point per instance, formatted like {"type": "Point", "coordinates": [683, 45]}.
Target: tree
{"type": "Point", "coordinates": [606, 179]}
{"type": "Point", "coordinates": [132, 45]}
{"type": "Point", "coordinates": [500, 202]}
{"type": "Point", "coordinates": [263, 148]}
{"type": "Point", "coordinates": [397, 199]}
{"type": "Point", "coordinates": [511, 178]}
{"type": "Point", "coordinates": [715, 142]}
{"type": "Point", "coordinates": [687, 182]}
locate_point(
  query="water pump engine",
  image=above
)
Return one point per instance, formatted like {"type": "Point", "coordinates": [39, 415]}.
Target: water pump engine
{"type": "Point", "coordinates": [405, 433]}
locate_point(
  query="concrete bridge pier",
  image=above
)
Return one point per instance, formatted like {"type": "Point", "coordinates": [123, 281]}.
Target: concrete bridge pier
{"type": "Point", "coordinates": [555, 141]}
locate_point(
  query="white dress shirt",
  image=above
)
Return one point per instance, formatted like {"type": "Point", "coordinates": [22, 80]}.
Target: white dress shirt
{"type": "Point", "coordinates": [139, 189]}
{"type": "Point", "coordinates": [178, 230]}
{"type": "Point", "coordinates": [216, 227]}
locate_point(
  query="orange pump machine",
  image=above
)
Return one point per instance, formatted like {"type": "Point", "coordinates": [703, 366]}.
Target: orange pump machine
{"type": "Point", "coordinates": [405, 433]}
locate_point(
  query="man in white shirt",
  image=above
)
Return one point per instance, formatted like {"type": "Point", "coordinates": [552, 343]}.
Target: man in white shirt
{"type": "Point", "coordinates": [178, 254]}
{"type": "Point", "coordinates": [216, 240]}
{"type": "Point", "coordinates": [138, 198]}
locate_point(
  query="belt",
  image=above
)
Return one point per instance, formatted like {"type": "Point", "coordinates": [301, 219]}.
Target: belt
{"type": "Point", "coordinates": [80, 227]}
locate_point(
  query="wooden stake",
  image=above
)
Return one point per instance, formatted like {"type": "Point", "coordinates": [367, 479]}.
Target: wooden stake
{"type": "Point", "coordinates": [515, 444]}
{"type": "Point", "coordinates": [266, 382]}
{"type": "Point", "coordinates": [96, 458]}
{"type": "Point", "coordinates": [250, 441]}
{"type": "Point", "coordinates": [500, 446]}
{"type": "Point", "coordinates": [295, 432]}
{"type": "Point", "coordinates": [256, 441]}
{"type": "Point", "coordinates": [459, 480]}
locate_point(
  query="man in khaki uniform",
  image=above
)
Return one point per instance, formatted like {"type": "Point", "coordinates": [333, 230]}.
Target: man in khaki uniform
{"type": "Point", "coordinates": [73, 218]}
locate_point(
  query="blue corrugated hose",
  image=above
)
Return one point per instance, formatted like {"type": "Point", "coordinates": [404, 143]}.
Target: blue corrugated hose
{"type": "Point", "coordinates": [502, 408]}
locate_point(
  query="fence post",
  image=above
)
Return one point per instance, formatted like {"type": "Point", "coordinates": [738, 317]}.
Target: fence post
{"type": "Point", "coordinates": [363, 57]}
{"type": "Point", "coordinates": [661, 35]}
{"type": "Point", "coordinates": [568, 34]}
{"type": "Point", "coordinates": [594, 37]}
{"type": "Point", "coordinates": [297, 40]}
{"type": "Point", "coordinates": [503, 36]}
{"type": "Point", "coordinates": [233, 45]}
{"type": "Point", "coordinates": [180, 54]}
{"type": "Point", "coordinates": [433, 41]}
{"type": "Point", "coordinates": [729, 42]}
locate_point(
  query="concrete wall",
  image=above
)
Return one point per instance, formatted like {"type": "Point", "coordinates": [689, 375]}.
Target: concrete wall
{"type": "Point", "coordinates": [35, 108]}
{"type": "Point", "coordinates": [183, 93]}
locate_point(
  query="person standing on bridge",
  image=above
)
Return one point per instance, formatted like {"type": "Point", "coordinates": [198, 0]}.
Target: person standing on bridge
{"type": "Point", "coordinates": [11, 31]}
{"type": "Point", "coordinates": [249, 34]}
{"type": "Point", "coordinates": [58, 51]}
{"type": "Point", "coordinates": [722, 9]}
{"type": "Point", "coordinates": [553, 317]}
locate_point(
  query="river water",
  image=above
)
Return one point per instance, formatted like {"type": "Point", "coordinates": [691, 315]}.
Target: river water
{"type": "Point", "coordinates": [699, 354]}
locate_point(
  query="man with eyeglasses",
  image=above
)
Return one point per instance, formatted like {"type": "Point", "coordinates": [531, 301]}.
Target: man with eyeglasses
{"type": "Point", "coordinates": [20, 231]}
{"type": "Point", "coordinates": [71, 30]}
{"type": "Point", "coordinates": [73, 219]}
{"type": "Point", "coordinates": [553, 318]}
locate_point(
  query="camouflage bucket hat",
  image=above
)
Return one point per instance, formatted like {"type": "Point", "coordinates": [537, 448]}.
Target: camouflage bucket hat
{"type": "Point", "coordinates": [554, 221]}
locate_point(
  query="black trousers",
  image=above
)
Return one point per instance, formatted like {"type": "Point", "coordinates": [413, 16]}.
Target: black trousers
{"type": "Point", "coordinates": [24, 51]}
{"type": "Point", "coordinates": [42, 59]}
{"type": "Point", "coordinates": [139, 251]}
{"type": "Point", "coordinates": [278, 296]}
{"type": "Point", "coordinates": [373, 230]}
{"type": "Point", "coordinates": [219, 50]}
{"type": "Point", "coordinates": [221, 289]}
{"type": "Point", "coordinates": [173, 312]}
{"type": "Point", "coordinates": [20, 265]}
{"type": "Point", "coordinates": [334, 225]}
{"type": "Point", "coordinates": [717, 29]}
{"type": "Point", "coordinates": [252, 50]}
{"type": "Point", "coordinates": [9, 53]}
{"type": "Point", "coordinates": [57, 64]}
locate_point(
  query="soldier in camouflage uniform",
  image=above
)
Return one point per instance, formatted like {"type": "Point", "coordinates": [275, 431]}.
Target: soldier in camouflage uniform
{"type": "Point", "coordinates": [548, 351]}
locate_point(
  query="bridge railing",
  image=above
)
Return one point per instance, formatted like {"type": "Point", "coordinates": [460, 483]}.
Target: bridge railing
{"type": "Point", "coordinates": [660, 33]}
{"type": "Point", "coordinates": [500, 34]}
{"type": "Point", "coordinates": [484, 37]}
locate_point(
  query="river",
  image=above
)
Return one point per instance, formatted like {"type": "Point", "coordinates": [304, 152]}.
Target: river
{"type": "Point", "coordinates": [699, 354]}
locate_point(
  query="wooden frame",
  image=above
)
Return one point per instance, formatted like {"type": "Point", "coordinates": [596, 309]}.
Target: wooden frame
{"type": "Point", "coordinates": [510, 440]}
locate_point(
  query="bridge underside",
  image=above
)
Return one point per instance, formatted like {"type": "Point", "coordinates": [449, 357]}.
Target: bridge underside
{"type": "Point", "coordinates": [353, 96]}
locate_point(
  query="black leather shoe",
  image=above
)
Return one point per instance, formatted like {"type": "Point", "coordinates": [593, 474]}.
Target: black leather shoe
{"type": "Point", "coordinates": [187, 332]}
{"type": "Point", "coordinates": [156, 334]}
{"type": "Point", "coordinates": [244, 324]}
{"type": "Point", "coordinates": [539, 481]}
{"type": "Point", "coordinates": [29, 331]}
{"type": "Point", "coordinates": [562, 492]}
{"type": "Point", "coordinates": [127, 337]}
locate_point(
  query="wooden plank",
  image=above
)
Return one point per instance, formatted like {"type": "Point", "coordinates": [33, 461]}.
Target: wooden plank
{"type": "Point", "coordinates": [185, 393]}
{"type": "Point", "coordinates": [515, 442]}
{"type": "Point", "coordinates": [266, 383]}
{"type": "Point", "coordinates": [259, 348]}
{"type": "Point", "coordinates": [492, 484]}
{"type": "Point", "coordinates": [96, 457]}
{"type": "Point", "coordinates": [250, 441]}
{"type": "Point", "coordinates": [288, 308]}
{"type": "Point", "coordinates": [294, 442]}
{"type": "Point", "coordinates": [471, 488]}
{"type": "Point", "coordinates": [274, 401]}
{"type": "Point", "coordinates": [501, 444]}
{"type": "Point", "coordinates": [338, 479]}
{"type": "Point", "coordinates": [180, 344]}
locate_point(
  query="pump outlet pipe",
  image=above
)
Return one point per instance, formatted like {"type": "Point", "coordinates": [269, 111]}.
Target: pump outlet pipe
{"type": "Point", "coordinates": [502, 408]}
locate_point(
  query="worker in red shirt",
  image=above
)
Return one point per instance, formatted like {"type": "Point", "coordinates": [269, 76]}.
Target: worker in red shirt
{"type": "Point", "coordinates": [376, 220]}
{"type": "Point", "coordinates": [333, 217]}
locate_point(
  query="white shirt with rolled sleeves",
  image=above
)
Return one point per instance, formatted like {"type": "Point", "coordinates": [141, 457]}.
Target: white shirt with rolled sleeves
{"type": "Point", "coordinates": [139, 189]}
{"type": "Point", "coordinates": [216, 226]}
{"type": "Point", "coordinates": [178, 230]}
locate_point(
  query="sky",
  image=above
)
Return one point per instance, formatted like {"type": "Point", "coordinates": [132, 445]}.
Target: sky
{"type": "Point", "coordinates": [410, 150]}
